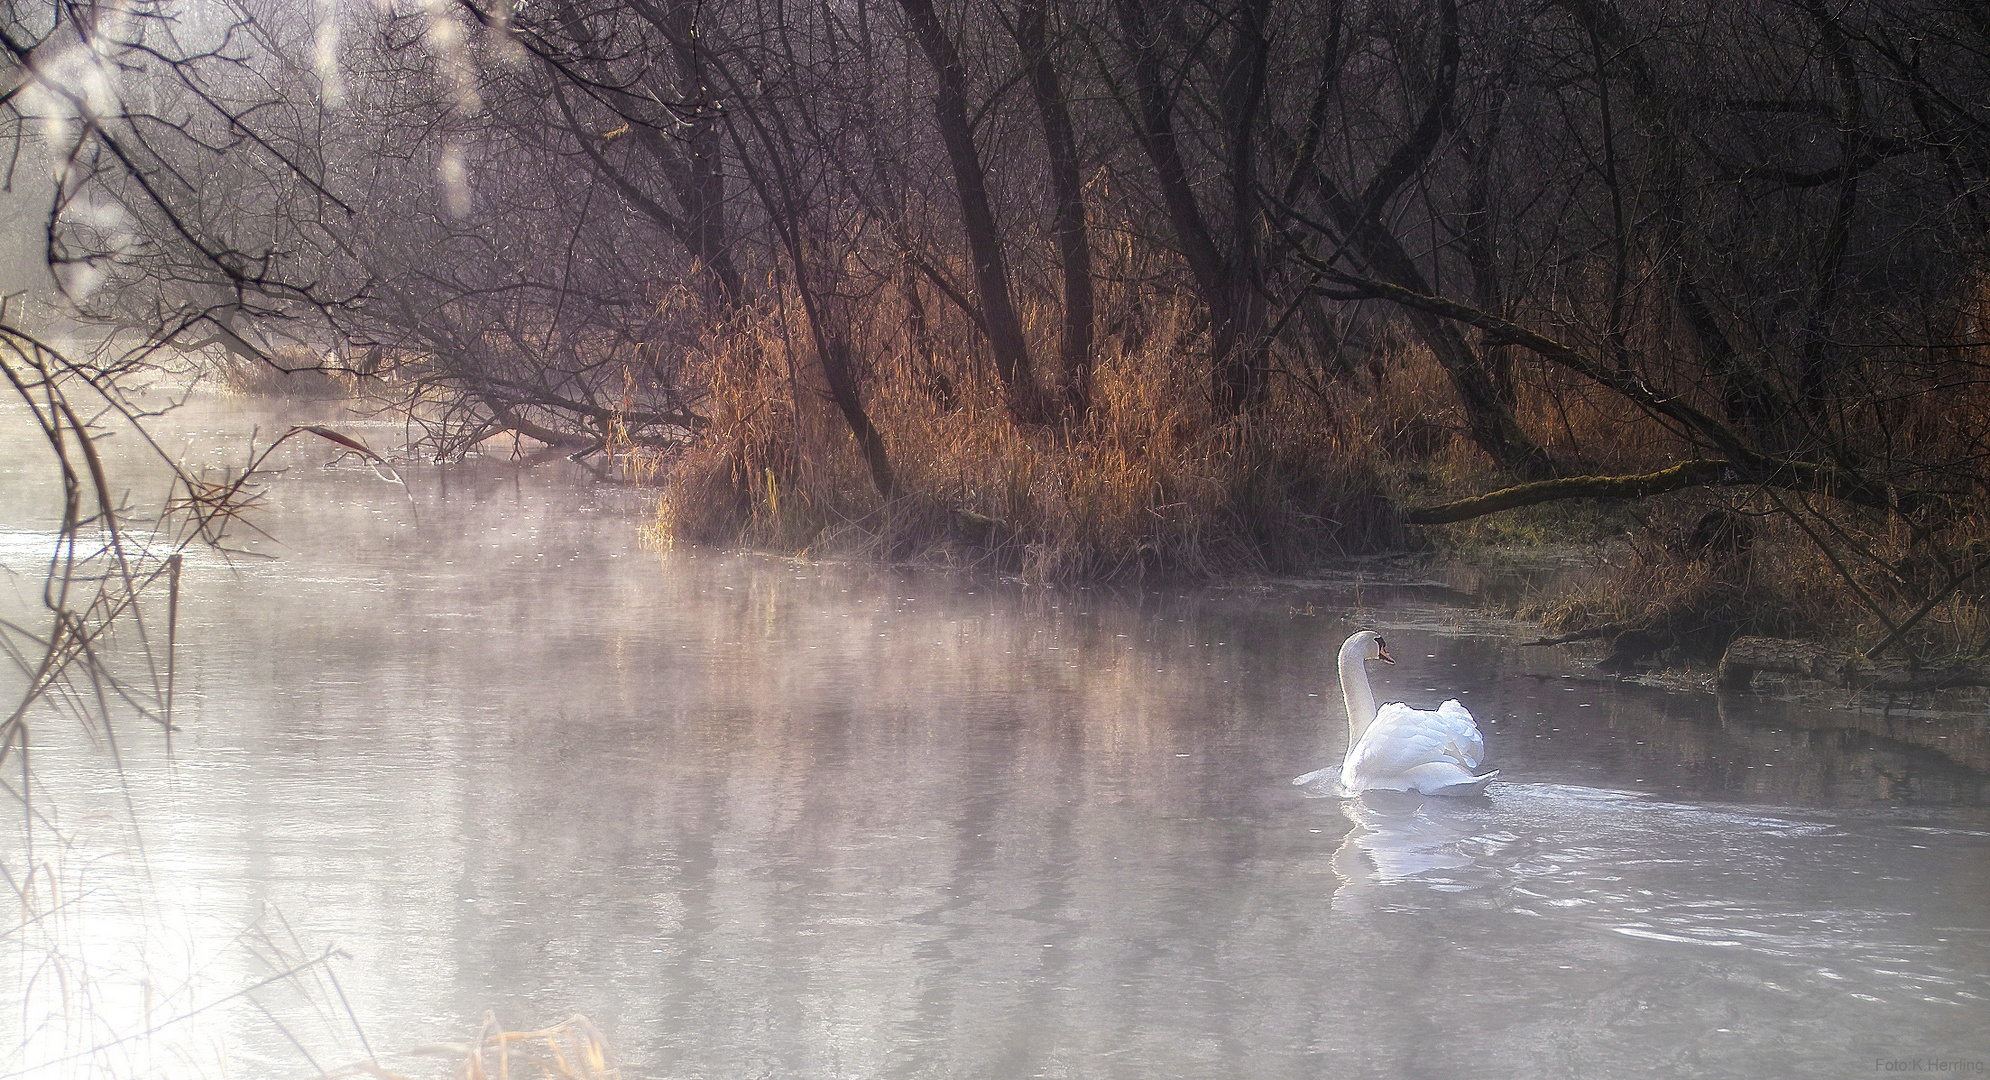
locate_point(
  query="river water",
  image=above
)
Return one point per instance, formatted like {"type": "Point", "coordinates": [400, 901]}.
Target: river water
{"type": "Point", "coordinates": [761, 818]}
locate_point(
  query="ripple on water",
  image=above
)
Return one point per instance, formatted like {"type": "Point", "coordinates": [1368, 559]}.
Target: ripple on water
{"type": "Point", "coordinates": [1853, 906]}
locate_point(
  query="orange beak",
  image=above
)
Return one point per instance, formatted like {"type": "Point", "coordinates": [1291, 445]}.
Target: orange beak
{"type": "Point", "coordinates": [1384, 651]}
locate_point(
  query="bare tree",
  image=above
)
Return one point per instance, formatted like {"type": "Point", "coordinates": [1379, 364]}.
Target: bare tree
{"type": "Point", "coordinates": [1074, 248]}
{"type": "Point", "coordinates": [1223, 245]}
{"type": "Point", "coordinates": [997, 315]}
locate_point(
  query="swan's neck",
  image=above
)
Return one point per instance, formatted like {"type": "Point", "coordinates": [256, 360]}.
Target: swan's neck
{"type": "Point", "coordinates": [1360, 699]}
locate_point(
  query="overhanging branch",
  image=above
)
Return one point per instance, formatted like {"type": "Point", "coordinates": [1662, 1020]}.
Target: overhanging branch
{"type": "Point", "coordinates": [1749, 464]}
{"type": "Point", "coordinates": [1794, 475]}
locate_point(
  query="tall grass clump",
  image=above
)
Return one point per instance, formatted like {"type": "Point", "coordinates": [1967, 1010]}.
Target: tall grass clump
{"type": "Point", "coordinates": [573, 1049]}
{"type": "Point", "coordinates": [1147, 483]}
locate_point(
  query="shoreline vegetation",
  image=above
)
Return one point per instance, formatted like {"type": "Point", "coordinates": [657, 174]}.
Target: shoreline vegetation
{"type": "Point", "coordinates": [1119, 290]}
{"type": "Point", "coordinates": [1371, 460]}
{"type": "Point", "coordinates": [1371, 457]}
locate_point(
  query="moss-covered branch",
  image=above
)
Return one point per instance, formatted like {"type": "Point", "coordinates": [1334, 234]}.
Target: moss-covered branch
{"type": "Point", "coordinates": [1797, 475]}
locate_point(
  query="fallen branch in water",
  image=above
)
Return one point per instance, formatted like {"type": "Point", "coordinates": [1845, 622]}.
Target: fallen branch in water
{"type": "Point", "coordinates": [1714, 472]}
{"type": "Point", "coordinates": [1587, 634]}
{"type": "Point", "coordinates": [212, 506]}
{"type": "Point", "coordinates": [1747, 656]}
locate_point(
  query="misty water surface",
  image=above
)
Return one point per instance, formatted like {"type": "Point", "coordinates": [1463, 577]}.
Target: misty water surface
{"type": "Point", "coordinates": [759, 818]}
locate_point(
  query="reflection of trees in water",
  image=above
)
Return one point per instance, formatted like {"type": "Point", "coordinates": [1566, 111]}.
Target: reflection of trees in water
{"type": "Point", "coordinates": [1910, 750]}
{"type": "Point", "coordinates": [813, 819]}
{"type": "Point", "coordinates": [1804, 753]}
{"type": "Point", "coordinates": [1809, 751]}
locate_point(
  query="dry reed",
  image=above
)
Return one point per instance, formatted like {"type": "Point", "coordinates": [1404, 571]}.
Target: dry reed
{"type": "Point", "coordinates": [1148, 484]}
{"type": "Point", "coordinates": [572, 1050]}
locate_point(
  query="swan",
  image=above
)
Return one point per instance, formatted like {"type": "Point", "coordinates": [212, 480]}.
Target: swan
{"type": "Point", "coordinates": [1396, 747]}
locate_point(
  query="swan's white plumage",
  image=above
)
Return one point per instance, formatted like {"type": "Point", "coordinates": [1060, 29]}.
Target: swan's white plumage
{"type": "Point", "coordinates": [1400, 748]}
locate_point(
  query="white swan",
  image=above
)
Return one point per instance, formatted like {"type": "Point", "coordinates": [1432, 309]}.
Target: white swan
{"type": "Point", "coordinates": [1397, 748]}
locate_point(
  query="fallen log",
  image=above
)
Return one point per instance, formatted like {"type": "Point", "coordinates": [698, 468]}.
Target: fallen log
{"type": "Point", "coordinates": [1747, 656]}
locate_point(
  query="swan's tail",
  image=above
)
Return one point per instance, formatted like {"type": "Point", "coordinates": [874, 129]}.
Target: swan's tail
{"type": "Point", "coordinates": [1331, 772]}
{"type": "Point", "coordinates": [1445, 778]}
{"type": "Point", "coordinates": [1475, 786]}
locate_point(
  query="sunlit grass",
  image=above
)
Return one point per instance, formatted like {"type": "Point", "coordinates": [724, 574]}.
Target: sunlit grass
{"type": "Point", "coordinates": [1148, 484]}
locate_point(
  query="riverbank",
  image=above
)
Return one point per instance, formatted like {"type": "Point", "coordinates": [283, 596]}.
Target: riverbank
{"type": "Point", "coordinates": [1153, 488]}
{"type": "Point", "coordinates": [1150, 482]}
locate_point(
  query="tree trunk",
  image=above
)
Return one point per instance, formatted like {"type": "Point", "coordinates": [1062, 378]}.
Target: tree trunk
{"type": "Point", "coordinates": [1229, 285]}
{"type": "Point", "coordinates": [984, 242]}
{"type": "Point", "coordinates": [701, 190]}
{"type": "Point", "coordinates": [1067, 189]}
{"type": "Point", "coordinates": [786, 211]}
{"type": "Point", "coordinates": [1488, 412]}
{"type": "Point", "coordinates": [1488, 415]}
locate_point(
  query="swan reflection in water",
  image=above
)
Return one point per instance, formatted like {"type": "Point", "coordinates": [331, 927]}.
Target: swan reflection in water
{"type": "Point", "coordinates": [1447, 844]}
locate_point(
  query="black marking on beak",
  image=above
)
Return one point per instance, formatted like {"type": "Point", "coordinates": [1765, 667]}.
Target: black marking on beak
{"type": "Point", "coordinates": [1384, 651]}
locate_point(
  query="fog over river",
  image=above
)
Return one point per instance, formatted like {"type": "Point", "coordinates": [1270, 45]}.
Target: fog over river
{"type": "Point", "coordinates": [758, 818]}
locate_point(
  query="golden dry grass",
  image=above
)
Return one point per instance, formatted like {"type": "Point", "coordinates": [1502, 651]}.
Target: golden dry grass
{"type": "Point", "coordinates": [1149, 483]}
{"type": "Point", "coordinates": [571, 1050]}
{"type": "Point", "coordinates": [1870, 582]}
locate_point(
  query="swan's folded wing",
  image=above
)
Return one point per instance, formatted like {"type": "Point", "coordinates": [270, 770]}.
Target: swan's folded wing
{"type": "Point", "coordinates": [1459, 721]}
{"type": "Point", "coordinates": [1402, 738]}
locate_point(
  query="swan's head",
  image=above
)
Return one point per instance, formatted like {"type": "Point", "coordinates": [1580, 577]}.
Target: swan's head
{"type": "Point", "coordinates": [1367, 645]}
